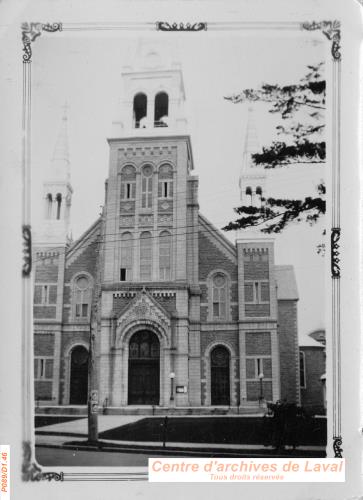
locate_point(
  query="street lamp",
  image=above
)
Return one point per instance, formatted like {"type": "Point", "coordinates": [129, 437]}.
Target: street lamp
{"type": "Point", "coordinates": [172, 377]}
{"type": "Point", "coordinates": [260, 376]}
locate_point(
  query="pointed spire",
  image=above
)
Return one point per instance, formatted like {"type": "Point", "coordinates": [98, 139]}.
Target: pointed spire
{"type": "Point", "coordinates": [251, 143]}
{"type": "Point", "coordinates": [252, 177]}
{"type": "Point", "coordinates": [60, 160]}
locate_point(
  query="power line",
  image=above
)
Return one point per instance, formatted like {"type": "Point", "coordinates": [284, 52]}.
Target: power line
{"type": "Point", "coordinates": [127, 230]}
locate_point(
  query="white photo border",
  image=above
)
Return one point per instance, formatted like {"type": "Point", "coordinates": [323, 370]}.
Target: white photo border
{"type": "Point", "coordinates": [30, 31]}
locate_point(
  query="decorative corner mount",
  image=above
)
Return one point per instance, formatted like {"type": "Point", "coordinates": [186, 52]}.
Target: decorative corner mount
{"type": "Point", "coordinates": [334, 248]}
{"type": "Point", "coordinates": [32, 472]}
{"type": "Point", "coordinates": [31, 31]}
{"type": "Point", "coordinates": [338, 450]}
{"type": "Point", "coordinates": [27, 251]}
{"type": "Point", "coordinates": [164, 26]}
{"type": "Point", "coordinates": [331, 29]}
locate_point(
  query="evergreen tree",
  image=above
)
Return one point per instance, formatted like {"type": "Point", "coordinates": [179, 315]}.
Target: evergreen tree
{"type": "Point", "coordinates": [301, 107]}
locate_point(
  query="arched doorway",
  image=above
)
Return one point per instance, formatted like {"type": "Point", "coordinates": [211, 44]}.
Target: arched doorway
{"type": "Point", "coordinates": [78, 385]}
{"type": "Point", "coordinates": [220, 388]}
{"type": "Point", "coordinates": [144, 369]}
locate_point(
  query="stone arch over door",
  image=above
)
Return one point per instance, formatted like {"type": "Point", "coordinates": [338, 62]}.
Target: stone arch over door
{"type": "Point", "coordinates": [120, 375]}
{"type": "Point", "coordinates": [232, 370]}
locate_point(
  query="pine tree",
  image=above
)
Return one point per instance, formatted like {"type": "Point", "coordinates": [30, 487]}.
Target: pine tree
{"type": "Point", "coordinates": [301, 107]}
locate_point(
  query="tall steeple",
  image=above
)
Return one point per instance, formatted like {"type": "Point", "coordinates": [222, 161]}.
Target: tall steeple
{"type": "Point", "coordinates": [153, 93]}
{"type": "Point", "coordinates": [60, 167]}
{"type": "Point", "coordinates": [57, 192]}
{"type": "Point", "coordinates": [252, 179]}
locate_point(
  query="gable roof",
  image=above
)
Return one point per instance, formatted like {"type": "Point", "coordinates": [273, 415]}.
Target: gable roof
{"type": "Point", "coordinates": [286, 283]}
{"type": "Point", "coordinates": [85, 239]}
{"type": "Point", "coordinates": [307, 341]}
{"type": "Point", "coordinates": [217, 237]}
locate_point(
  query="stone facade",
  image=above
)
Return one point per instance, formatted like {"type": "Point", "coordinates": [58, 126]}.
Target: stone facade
{"type": "Point", "coordinates": [182, 317]}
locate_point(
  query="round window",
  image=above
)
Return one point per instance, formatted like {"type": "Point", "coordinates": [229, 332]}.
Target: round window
{"type": "Point", "coordinates": [82, 283]}
{"type": "Point", "coordinates": [219, 280]}
{"type": "Point", "coordinates": [147, 171]}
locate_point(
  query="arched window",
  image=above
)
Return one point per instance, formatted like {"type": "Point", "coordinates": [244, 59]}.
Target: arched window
{"type": "Point", "coordinates": [145, 256]}
{"type": "Point", "coordinates": [219, 296]}
{"type": "Point", "coordinates": [58, 199]}
{"type": "Point", "coordinates": [259, 196]}
{"type": "Point", "coordinates": [140, 110]}
{"type": "Point", "coordinates": [161, 110]}
{"type": "Point", "coordinates": [126, 257]}
{"type": "Point", "coordinates": [165, 255]}
{"type": "Point", "coordinates": [249, 193]}
{"type": "Point", "coordinates": [82, 297]}
{"type": "Point", "coordinates": [165, 188]}
{"type": "Point", "coordinates": [48, 206]}
{"type": "Point", "coordinates": [147, 187]}
{"type": "Point", "coordinates": [128, 183]}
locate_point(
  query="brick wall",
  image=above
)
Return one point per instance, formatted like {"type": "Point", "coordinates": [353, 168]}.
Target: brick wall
{"type": "Point", "coordinates": [312, 394]}
{"type": "Point", "coordinates": [121, 303]}
{"type": "Point", "coordinates": [257, 310]}
{"type": "Point", "coordinates": [168, 303]}
{"type": "Point", "coordinates": [258, 343]}
{"type": "Point", "coordinates": [211, 258]}
{"type": "Point", "coordinates": [43, 344]}
{"type": "Point", "coordinates": [289, 355]}
{"type": "Point", "coordinates": [86, 261]}
{"type": "Point", "coordinates": [43, 390]}
{"type": "Point", "coordinates": [67, 295]}
{"type": "Point", "coordinates": [44, 312]}
{"type": "Point", "coordinates": [256, 265]}
{"type": "Point", "coordinates": [254, 390]}
{"type": "Point", "coordinates": [46, 269]}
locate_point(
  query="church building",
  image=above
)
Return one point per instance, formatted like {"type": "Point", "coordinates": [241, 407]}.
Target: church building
{"type": "Point", "coordinates": [180, 318]}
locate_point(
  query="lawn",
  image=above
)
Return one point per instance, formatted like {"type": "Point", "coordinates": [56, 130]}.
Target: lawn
{"type": "Point", "coordinates": [227, 430]}
{"type": "Point", "coordinates": [43, 420]}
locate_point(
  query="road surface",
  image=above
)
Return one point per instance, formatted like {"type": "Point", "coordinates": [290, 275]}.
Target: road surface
{"type": "Point", "coordinates": [66, 458]}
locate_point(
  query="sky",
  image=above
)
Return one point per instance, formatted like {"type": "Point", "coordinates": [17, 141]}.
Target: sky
{"type": "Point", "coordinates": [85, 72]}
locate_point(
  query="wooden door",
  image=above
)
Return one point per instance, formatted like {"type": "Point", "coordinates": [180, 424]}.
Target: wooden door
{"type": "Point", "coordinates": [144, 369]}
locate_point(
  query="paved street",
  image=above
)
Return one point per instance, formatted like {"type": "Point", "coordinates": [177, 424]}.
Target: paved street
{"type": "Point", "coordinates": [68, 458]}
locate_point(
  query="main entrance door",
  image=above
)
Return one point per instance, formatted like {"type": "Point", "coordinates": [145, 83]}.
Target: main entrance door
{"type": "Point", "coordinates": [78, 389]}
{"type": "Point", "coordinates": [144, 369]}
{"type": "Point", "coordinates": [220, 394]}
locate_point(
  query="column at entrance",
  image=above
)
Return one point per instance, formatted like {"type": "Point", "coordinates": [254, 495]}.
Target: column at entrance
{"type": "Point", "coordinates": [117, 377]}
{"type": "Point", "coordinates": [181, 362]}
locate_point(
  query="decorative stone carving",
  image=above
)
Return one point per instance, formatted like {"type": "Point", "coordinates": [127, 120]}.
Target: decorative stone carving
{"type": "Point", "coordinates": [142, 309]}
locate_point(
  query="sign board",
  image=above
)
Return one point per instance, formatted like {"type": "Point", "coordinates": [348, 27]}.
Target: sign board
{"type": "Point", "coordinates": [181, 389]}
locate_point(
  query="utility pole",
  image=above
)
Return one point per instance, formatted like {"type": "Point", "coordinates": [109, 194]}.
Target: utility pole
{"type": "Point", "coordinates": [92, 380]}
{"type": "Point", "coordinates": [93, 403]}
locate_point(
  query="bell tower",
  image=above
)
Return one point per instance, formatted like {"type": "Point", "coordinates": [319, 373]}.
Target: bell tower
{"type": "Point", "coordinates": [153, 93]}
{"type": "Point", "coordinates": [57, 193]}
{"type": "Point", "coordinates": [252, 181]}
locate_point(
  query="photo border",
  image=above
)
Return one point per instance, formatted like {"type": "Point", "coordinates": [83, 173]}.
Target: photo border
{"type": "Point", "coordinates": [30, 31]}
